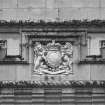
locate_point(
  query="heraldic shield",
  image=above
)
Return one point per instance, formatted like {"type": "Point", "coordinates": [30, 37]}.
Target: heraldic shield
{"type": "Point", "coordinates": [53, 58]}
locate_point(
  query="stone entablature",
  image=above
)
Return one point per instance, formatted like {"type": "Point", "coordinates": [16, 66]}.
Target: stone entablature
{"type": "Point", "coordinates": [48, 84]}
{"type": "Point", "coordinates": [76, 34]}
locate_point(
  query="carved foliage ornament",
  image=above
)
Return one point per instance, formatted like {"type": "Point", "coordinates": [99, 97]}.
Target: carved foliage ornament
{"type": "Point", "coordinates": [53, 58]}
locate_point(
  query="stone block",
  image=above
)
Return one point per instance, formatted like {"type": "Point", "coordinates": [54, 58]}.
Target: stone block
{"type": "Point", "coordinates": [37, 90]}
{"type": "Point", "coordinates": [50, 4]}
{"type": "Point", "coordinates": [1, 13]}
{"type": "Point", "coordinates": [7, 72]}
{"type": "Point", "coordinates": [90, 13]}
{"type": "Point", "coordinates": [79, 13]}
{"type": "Point", "coordinates": [23, 72]}
{"type": "Point", "coordinates": [69, 13]}
{"type": "Point", "coordinates": [30, 14]}
{"type": "Point", "coordinates": [77, 3]}
{"type": "Point", "coordinates": [97, 72]}
{"type": "Point", "coordinates": [15, 72]}
{"type": "Point", "coordinates": [76, 54]}
{"type": "Point", "coordinates": [8, 3]}
{"type": "Point", "coordinates": [102, 13]}
{"type": "Point", "coordinates": [102, 3]}
{"type": "Point", "coordinates": [36, 77]}
{"type": "Point", "coordinates": [31, 3]}
{"type": "Point", "coordinates": [51, 14]}
{"type": "Point", "coordinates": [81, 72]}
{"type": "Point", "coordinates": [8, 14]}
{"type": "Point", "coordinates": [83, 52]}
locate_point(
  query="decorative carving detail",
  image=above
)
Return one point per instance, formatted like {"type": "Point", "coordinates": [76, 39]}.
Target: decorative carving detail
{"type": "Point", "coordinates": [53, 58]}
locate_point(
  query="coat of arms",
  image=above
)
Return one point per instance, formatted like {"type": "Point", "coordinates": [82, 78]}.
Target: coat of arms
{"type": "Point", "coordinates": [53, 58]}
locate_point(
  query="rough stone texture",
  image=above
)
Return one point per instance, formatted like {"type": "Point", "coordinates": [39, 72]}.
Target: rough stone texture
{"type": "Point", "coordinates": [51, 9]}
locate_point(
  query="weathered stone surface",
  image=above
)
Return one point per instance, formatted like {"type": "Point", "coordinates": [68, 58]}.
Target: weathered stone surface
{"type": "Point", "coordinates": [92, 13]}
{"type": "Point", "coordinates": [30, 14]}
{"type": "Point", "coordinates": [79, 13]}
{"type": "Point", "coordinates": [66, 9]}
{"type": "Point", "coordinates": [23, 72]}
{"type": "Point", "coordinates": [8, 72]}
{"type": "Point", "coordinates": [97, 72]}
{"type": "Point", "coordinates": [102, 3]}
{"type": "Point", "coordinates": [77, 3]}
{"type": "Point", "coordinates": [8, 14]}
{"type": "Point", "coordinates": [102, 13]}
{"type": "Point", "coordinates": [31, 3]}
{"type": "Point", "coordinates": [50, 4]}
{"type": "Point", "coordinates": [15, 72]}
{"type": "Point", "coordinates": [51, 14]}
{"type": "Point", "coordinates": [81, 72]}
{"type": "Point", "coordinates": [69, 13]}
{"type": "Point", "coordinates": [8, 4]}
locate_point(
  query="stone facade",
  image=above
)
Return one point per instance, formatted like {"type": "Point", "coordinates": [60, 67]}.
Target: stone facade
{"type": "Point", "coordinates": [51, 10]}
{"type": "Point", "coordinates": [20, 65]}
{"type": "Point", "coordinates": [37, 96]}
{"type": "Point", "coordinates": [28, 77]}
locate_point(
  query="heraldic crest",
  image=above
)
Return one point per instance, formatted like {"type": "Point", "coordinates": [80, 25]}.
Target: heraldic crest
{"type": "Point", "coordinates": [53, 58]}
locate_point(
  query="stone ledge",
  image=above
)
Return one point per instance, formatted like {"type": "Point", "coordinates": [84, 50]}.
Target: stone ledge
{"type": "Point", "coordinates": [13, 62]}
{"type": "Point", "coordinates": [46, 84]}
{"type": "Point", "coordinates": [92, 62]}
{"type": "Point", "coordinates": [41, 23]}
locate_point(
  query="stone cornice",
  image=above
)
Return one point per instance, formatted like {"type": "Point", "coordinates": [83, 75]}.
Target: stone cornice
{"type": "Point", "coordinates": [39, 84]}
{"type": "Point", "coordinates": [92, 26]}
{"type": "Point", "coordinates": [41, 23]}
{"type": "Point", "coordinates": [13, 62]}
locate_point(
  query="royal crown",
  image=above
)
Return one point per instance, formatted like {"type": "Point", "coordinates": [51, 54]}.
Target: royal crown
{"type": "Point", "coordinates": [53, 46]}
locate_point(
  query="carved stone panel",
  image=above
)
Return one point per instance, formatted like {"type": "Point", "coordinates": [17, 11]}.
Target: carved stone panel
{"type": "Point", "coordinates": [53, 58]}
